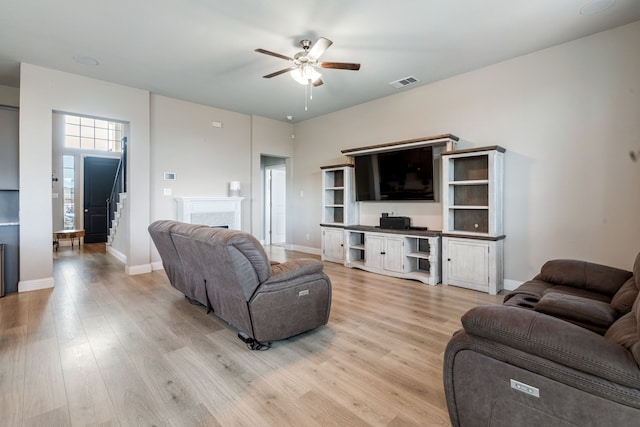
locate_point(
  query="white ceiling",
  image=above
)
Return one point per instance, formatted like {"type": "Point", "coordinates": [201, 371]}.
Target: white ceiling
{"type": "Point", "coordinates": [203, 50]}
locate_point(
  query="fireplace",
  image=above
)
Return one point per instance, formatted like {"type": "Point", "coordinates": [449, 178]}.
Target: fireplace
{"type": "Point", "coordinates": [212, 211]}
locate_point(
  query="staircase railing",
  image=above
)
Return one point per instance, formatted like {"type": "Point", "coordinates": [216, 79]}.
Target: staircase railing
{"type": "Point", "coordinates": [119, 184]}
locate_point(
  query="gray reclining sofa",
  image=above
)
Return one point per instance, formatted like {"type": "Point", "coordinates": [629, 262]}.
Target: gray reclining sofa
{"type": "Point", "coordinates": [229, 272]}
{"type": "Point", "coordinates": [563, 350]}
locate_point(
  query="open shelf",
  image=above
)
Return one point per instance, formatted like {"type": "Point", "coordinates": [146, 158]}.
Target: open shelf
{"type": "Point", "coordinates": [419, 255]}
{"type": "Point", "coordinates": [355, 248]}
{"type": "Point", "coordinates": [471, 168]}
{"type": "Point", "coordinates": [338, 201]}
{"type": "Point", "coordinates": [334, 179]}
{"type": "Point", "coordinates": [420, 268]}
{"type": "Point", "coordinates": [422, 258]}
{"type": "Point", "coordinates": [472, 197]}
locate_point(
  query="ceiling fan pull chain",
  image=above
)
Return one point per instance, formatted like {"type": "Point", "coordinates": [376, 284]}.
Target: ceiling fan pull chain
{"type": "Point", "coordinates": [305, 97]}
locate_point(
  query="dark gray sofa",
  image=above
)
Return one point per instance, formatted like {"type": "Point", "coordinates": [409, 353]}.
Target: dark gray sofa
{"type": "Point", "coordinates": [229, 272]}
{"type": "Point", "coordinates": [584, 293]}
{"type": "Point", "coordinates": [513, 366]}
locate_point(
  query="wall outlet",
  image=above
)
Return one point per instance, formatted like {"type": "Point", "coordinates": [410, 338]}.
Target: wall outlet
{"type": "Point", "coordinates": [308, 237]}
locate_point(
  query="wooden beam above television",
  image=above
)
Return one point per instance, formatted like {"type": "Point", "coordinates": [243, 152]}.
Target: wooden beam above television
{"type": "Point", "coordinates": [445, 139]}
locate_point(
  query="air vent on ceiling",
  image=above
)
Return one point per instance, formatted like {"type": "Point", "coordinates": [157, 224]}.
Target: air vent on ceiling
{"type": "Point", "coordinates": [404, 82]}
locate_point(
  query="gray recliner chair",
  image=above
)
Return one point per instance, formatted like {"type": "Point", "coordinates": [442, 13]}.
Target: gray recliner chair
{"type": "Point", "coordinates": [229, 272]}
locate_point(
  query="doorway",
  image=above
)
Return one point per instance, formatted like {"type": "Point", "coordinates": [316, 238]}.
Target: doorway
{"type": "Point", "coordinates": [84, 145]}
{"type": "Point", "coordinates": [275, 200]}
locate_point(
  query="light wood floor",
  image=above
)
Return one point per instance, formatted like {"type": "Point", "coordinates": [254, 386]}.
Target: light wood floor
{"type": "Point", "coordinates": [104, 348]}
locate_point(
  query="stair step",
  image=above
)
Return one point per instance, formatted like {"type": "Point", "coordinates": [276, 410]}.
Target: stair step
{"type": "Point", "coordinates": [114, 222]}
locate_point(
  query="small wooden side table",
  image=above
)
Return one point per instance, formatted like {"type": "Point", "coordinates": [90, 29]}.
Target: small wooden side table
{"type": "Point", "coordinates": [67, 234]}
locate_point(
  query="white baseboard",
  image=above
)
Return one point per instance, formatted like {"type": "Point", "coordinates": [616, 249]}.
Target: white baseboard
{"type": "Point", "coordinates": [34, 285]}
{"type": "Point", "coordinates": [510, 285]}
{"type": "Point", "coordinates": [137, 269]}
{"type": "Point", "coordinates": [305, 249]}
{"type": "Point", "coordinates": [117, 254]}
{"type": "Point", "coordinates": [157, 265]}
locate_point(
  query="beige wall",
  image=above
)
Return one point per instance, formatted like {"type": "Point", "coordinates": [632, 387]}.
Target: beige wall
{"type": "Point", "coordinates": [203, 157]}
{"type": "Point", "coordinates": [43, 91]}
{"type": "Point", "coordinates": [9, 96]}
{"type": "Point", "coordinates": [568, 117]}
{"type": "Point", "coordinates": [206, 158]}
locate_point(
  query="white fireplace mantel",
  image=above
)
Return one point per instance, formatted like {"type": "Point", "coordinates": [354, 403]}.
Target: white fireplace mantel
{"type": "Point", "coordinates": [212, 211]}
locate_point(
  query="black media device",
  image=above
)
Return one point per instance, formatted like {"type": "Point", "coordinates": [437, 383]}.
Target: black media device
{"type": "Point", "coordinates": [395, 222]}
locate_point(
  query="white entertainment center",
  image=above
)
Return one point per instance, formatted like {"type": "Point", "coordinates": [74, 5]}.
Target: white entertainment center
{"type": "Point", "coordinates": [467, 252]}
{"type": "Point", "coordinates": [399, 253]}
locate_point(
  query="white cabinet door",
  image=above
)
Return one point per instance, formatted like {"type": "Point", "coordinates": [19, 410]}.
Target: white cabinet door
{"type": "Point", "coordinates": [467, 263]}
{"type": "Point", "coordinates": [333, 245]}
{"type": "Point", "coordinates": [373, 251]}
{"type": "Point", "coordinates": [384, 253]}
{"type": "Point", "coordinates": [394, 254]}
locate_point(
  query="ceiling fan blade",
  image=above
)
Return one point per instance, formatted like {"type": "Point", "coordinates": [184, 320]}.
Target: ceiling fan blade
{"type": "Point", "coordinates": [318, 82]}
{"type": "Point", "coordinates": [339, 65]}
{"type": "Point", "coordinates": [277, 73]}
{"type": "Point", "coordinates": [319, 47]}
{"type": "Point", "coordinates": [277, 55]}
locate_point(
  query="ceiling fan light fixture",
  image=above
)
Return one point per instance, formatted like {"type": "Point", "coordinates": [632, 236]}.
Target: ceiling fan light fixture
{"type": "Point", "coordinates": [305, 74]}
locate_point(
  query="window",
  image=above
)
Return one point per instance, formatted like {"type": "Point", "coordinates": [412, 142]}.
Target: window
{"type": "Point", "coordinates": [69, 191]}
{"type": "Point", "coordinates": [92, 134]}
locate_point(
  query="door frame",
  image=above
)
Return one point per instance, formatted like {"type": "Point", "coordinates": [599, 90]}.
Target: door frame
{"type": "Point", "coordinates": [267, 211]}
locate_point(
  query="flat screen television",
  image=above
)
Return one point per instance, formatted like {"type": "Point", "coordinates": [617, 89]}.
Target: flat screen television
{"type": "Point", "coordinates": [395, 175]}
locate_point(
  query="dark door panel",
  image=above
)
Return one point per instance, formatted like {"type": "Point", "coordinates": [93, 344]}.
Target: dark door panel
{"type": "Point", "coordinates": [99, 174]}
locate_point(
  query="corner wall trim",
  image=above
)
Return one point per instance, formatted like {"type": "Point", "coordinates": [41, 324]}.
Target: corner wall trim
{"type": "Point", "coordinates": [34, 285]}
{"type": "Point", "coordinates": [117, 254]}
{"type": "Point", "coordinates": [132, 270]}
{"type": "Point", "coordinates": [510, 285]}
{"type": "Point", "coordinates": [157, 265]}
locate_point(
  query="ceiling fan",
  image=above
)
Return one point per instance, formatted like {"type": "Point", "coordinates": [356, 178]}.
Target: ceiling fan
{"type": "Point", "coordinates": [303, 70]}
